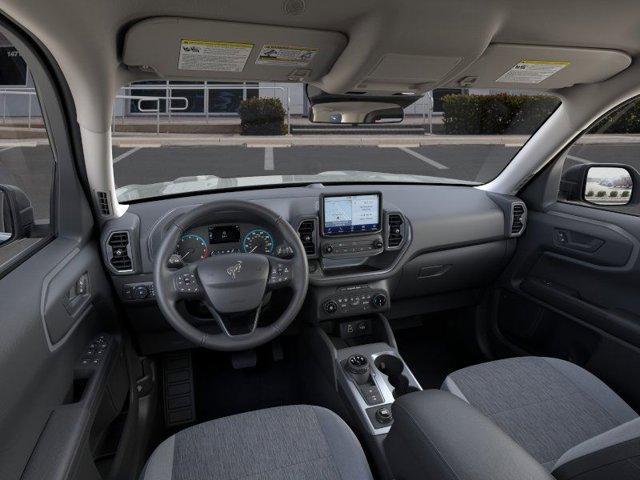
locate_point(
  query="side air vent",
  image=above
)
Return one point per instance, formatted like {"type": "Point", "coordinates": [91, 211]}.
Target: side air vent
{"type": "Point", "coordinates": [396, 230]}
{"type": "Point", "coordinates": [119, 252]}
{"type": "Point", "coordinates": [306, 230]}
{"type": "Point", "coordinates": [103, 203]}
{"type": "Point", "coordinates": [518, 219]}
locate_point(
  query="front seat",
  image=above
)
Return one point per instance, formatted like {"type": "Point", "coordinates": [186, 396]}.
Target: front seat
{"type": "Point", "coordinates": [292, 442]}
{"type": "Point", "coordinates": [565, 417]}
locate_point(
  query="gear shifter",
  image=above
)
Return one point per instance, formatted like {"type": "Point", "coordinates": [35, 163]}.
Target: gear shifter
{"type": "Point", "coordinates": [358, 366]}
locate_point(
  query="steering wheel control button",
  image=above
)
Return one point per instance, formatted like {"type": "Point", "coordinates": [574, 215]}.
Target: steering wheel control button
{"type": "Point", "coordinates": [187, 283]}
{"type": "Point", "coordinates": [279, 274]}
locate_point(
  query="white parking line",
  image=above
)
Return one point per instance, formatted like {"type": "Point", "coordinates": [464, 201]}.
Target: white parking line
{"type": "Point", "coordinates": [433, 163]}
{"type": "Point", "coordinates": [124, 155]}
{"type": "Point", "coordinates": [391, 145]}
{"type": "Point", "coordinates": [268, 158]}
{"type": "Point", "coordinates": [579, 159]}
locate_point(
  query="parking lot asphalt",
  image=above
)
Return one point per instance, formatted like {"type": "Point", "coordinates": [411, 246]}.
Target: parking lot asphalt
{"type": "Point", "coordinates": [471, 162]}
{"type": "Point", "coordinates": [31, 167]}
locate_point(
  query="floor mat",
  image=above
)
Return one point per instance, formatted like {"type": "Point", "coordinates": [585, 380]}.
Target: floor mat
{"type": "Point", "coordinates": [434, 349]}
{"type": "Point", "coordinates": [221, 390]}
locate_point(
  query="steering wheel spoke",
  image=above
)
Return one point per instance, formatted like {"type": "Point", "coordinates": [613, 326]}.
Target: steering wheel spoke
{"type": "Point", "coordinates": [185, 285]}
{"type": "Point", "coordinates": [237, 324]}
{"type": "Point", "coordinates": [280, 273]}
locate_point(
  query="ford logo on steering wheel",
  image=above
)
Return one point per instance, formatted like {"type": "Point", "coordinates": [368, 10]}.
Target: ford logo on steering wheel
{"type": "Point", "coordinates": [234, 269]}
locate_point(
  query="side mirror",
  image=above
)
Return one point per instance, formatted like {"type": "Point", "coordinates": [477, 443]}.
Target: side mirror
{"type": "Point", "coordinates": [605, 185]}
{"type": "Point", "coordinates": [16, 214]}
{"type": "Point", "coordinates": [608, 186]}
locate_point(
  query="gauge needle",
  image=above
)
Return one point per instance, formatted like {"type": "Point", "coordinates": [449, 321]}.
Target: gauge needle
{"type": "Point", "coordinates": [253, 249]}
{"type": "Point", "coordinates": [186, 254]}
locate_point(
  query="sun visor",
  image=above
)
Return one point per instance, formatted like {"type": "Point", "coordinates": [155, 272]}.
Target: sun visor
{"type": "Point", "coordinates": [505, 66]}
{"type": "Point", "coordinates": [398, 72]}
{"type": "Point", "coordinates": [210, 49]}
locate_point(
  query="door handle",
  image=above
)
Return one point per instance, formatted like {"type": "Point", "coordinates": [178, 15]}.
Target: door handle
{"type": "Point", "coordinates": [576, 240]}
{"type": "Point", "coordinates": [78, 295]}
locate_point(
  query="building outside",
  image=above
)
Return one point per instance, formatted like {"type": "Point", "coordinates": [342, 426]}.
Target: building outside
{"type": "Point", "coordinates": [219, 99]}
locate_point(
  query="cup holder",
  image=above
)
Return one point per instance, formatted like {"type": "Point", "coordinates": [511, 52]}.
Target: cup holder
{"type": "Point", "coordinates": [393, 367]}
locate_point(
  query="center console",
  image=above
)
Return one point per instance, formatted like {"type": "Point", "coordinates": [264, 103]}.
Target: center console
{"type": "Point", "coordinates": [367, 375]}
{"type": "Point", "coordinates": [372, 377]}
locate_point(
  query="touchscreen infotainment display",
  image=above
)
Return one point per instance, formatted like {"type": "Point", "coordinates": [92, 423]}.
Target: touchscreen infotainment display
{"type": "Point", "coordinates": [351, 214]}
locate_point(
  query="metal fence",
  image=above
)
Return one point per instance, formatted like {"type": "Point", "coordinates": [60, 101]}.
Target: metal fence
{"type": "Point", "coordinates": [21, 92]}
{"type": "Point", "coordinates": [206, 89]}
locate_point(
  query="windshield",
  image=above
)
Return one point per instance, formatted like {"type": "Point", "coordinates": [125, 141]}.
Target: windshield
{"type": "Point", "coordinates": [178, 137]}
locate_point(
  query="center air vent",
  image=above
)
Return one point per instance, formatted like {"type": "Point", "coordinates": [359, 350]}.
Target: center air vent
{"type": "Point", "coordinates": [395, 224]}
{"type": "Point", "coordinates": [518, 218]}
{"type": "Point", "coordinates": [306, 230]}
{"type": "Point", "coordinates": [119, 252]}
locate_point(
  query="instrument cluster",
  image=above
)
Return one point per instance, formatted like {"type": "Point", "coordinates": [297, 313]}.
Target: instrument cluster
{"type": "Point", "coordinates": [210, 240]}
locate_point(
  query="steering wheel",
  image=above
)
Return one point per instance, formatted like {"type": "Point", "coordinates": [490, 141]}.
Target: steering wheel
{"type": "Point", "coordinates": [231, 286]}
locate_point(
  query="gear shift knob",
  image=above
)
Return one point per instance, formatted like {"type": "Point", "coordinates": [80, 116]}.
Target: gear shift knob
{"type": "Point", "coordinates": [359, 368]}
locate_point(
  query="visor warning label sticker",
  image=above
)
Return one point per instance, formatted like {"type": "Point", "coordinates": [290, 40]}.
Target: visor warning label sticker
{"type": "Point", "coordinates": [532, 71]}
{"type": "Point", "coordinates": [213, 56]}
{"type": "Point", "coordinates": [285, 55]}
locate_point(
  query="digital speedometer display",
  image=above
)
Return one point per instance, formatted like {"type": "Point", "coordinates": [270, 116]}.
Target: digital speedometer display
{"type": "Point", "coordinates": [258, 241]}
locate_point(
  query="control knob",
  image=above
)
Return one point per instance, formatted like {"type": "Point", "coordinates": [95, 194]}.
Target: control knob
{"type": "Point", "coordinates": [328, 248]}
{"type": "Point", "coordinates": [358, 366]}
{"type": "Point", "coordinates": [379, 300]}
{"type": "Point", "coordinates": [377, 244]}
{"type": "Point", "coordinates": [383, 415]}
{"type": "Point", "coordinates": [331, 307]}
{"type": "Point", "coordinates": [141, 292]}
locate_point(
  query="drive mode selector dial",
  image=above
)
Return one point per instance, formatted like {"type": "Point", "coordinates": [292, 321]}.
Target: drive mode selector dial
{"type": "Point", "coordinates": [357, 364]}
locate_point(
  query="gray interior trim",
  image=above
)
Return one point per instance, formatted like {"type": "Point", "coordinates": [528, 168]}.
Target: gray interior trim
{"type": "Point", "coordinates": [617, 444]}
{"type": "Point", "coordinates": [160, 464]}
{"type": "Point", "coordinates": [450, 386]}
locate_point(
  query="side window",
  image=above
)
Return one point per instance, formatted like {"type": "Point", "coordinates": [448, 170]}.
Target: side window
{"type": "Point", "coordinates": [602, 168]}
{"type": "Point", "coordinates": [27, 165]}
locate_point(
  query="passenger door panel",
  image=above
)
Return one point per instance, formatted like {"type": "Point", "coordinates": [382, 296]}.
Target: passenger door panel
{"type": "Point", "coordinates": [572, 291]}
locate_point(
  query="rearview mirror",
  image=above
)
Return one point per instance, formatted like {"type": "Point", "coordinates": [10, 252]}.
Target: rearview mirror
{"type": "Point", "coordinates": [357, 108]}
{"type": "Point", "coordinates": [356, 113]}
{"type": "Point", "coordinates": [608, 186]}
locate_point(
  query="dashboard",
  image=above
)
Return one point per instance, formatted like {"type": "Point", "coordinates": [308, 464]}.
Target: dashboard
{"type": "Point", "coordinates": [398, 250]}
